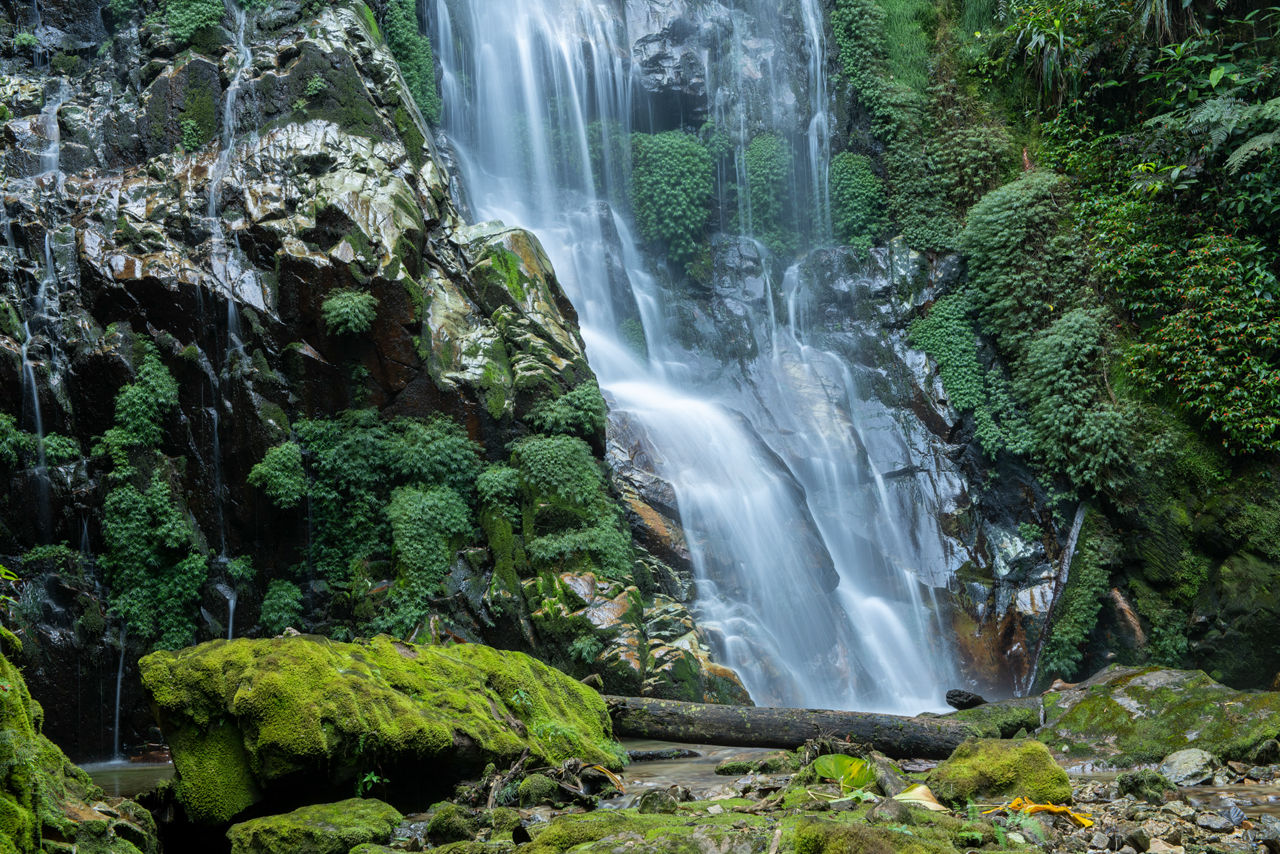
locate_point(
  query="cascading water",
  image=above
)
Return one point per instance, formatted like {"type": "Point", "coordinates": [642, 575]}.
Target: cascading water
{"type": "Point", "coordinates": [117, 748]}
{"type": "Point", "coordinates": [805, 584]}
{"type": "Point", "coordinates": [228, 592]}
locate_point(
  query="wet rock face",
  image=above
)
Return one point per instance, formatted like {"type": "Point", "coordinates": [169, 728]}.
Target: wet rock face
{"type": "Point", "coordinates": [332, 185]}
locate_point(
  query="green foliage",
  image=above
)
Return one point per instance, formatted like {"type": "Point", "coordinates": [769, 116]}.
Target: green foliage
{"type": "Point", "coordinates": [240, 569]}
{"type": "Point", "coordinates": [1208, 302]}
{"type": "Point", "coordinates": [13, 442]}
{"type": "Point", "coordinates": [849, 771]}
{"type": "Point", "coordinates": [186, 17]}
{"type": "Point", "coordinates": [768, 162]}
{"type": "Point", "coordinates": [61, 449]}
{"type": "Point", "coordinates": [579, 412]}
{"type": "Point", "coordinates": [150, 564]}
{"type": "Point", "coordinates": [1076, 614]}
{"type": "Point", "coordinates": [25, 40]}
{"type": "Point", "coordinates": [66, 64]}
{"type": "Point", "coordinates": [281, 607]}
{"type": "Point", "coordinates": [947, 334]}
{"type": "Point", "coordinates": [428, 526]}
{"type": "Point", "coordinates": [1023, 268]}
{"type": "Point", "coordinates": [281, 475]}
{"type": "Point", "coordinates": [316, 85]}
{"type": "Point", "coordinates": [1074, 430]}
{"type": "Point", "coordinates": [123, 10]}
{"type": "Point", "coordinates": [585, 649]}
{"type": "Point", "coordinates": [141, 407]}
{"type": "Point", "coordinates": [632, 331]}
{"type": "Point", "coordinates": [672, 181]}
{"type": "Point", "coordinates": [498, 486]}
{"type": "Point", "coordinates": [349, 312]}
{"type": "Point", "coordinates": [412, 51]}
{"type": "Point", "coordinates": [198, 119]}
{"type": "Point", "coordinates": [857, 201]}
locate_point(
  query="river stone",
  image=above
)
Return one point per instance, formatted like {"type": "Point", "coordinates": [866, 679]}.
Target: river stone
{"type": "Point", "coordinates": [657, 801]}
{"type": "Point", "coordinates": [1137, 715]}
{"type": "Point", "coordinates": [319, 829]}
{"type": "Point", "coordinates": [986, 770]}
{"type": "Point", "coordinates": [1188, 767]}
{"type": "Point", "coordinates": [243, 714]}
{"type": "Point", "coordinates": [958, 699]}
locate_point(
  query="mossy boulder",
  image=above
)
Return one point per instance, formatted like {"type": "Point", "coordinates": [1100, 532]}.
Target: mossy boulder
{"type": "Point", "coordinates": [538, 789]}
{"type": "Point", "coordinates": [452, 823]}
{"type": "Point", "coordinates": [1146, 785]}
{"type": "Point", "coordinates": [1128, 715]}
{"type": "Point", "coordinates": [43, 797]}
{"type": "Point", "coordinates": [253, 720]}
{"type": "Point", "coordinates": [776, 762]}
{"type": "Point", "coordinates": [984, 769]}
{"type": "Point", "coordinates": [318, 829]}
{"type": "Point", "coordinates": [1004, 719]}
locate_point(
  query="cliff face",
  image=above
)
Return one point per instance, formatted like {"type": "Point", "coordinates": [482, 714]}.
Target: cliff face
{"type": "Point", "coordinates": [214, 246]}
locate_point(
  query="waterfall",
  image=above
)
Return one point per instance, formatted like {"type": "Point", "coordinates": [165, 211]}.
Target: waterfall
{"type": "Point", "coordinates": [117, 747]}
{"type": "Point", "coordinates": [228, 592]}
{"type": "Point", "coordinates": [806, 585]}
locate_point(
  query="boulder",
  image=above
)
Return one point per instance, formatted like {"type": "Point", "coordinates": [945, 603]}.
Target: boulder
{"type": "Point", "coordinates": [254, 720]}
{"type": "Point", "coordinates": [1189, 767]}
{"type": "Point", "coordinates": [43, 797]}
{"type": "Point", "coordinates": [1003, 719]}
{"type": "Point", "coordinates": [988, 769]}
{"type": "Point", "coordinates": [319, 829]}
{"type": "Point", "coordinates": [958, 699]}
{"type": "Point", "coordinates": [1128, 715]}
{"type": "Point", "coordinates": [1147, 785]}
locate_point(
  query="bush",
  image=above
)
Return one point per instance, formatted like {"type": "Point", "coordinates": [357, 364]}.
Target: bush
{"type": "Point", "coordinates": [187, 17]}
{"type": "Point", "coordinates": [672, 181]}
{"type": "Point", "coordinates": [349, 312]}
{"type": "Point", "coordinates": [281, 607]}
{"type": "Point", "coordinates": [25, 40]}
{"type": "Point", "coordinates": [281, 476]}
{"type": "Point", "coordinates": [768, 162]}
{"type": "Point", "coordinates": [412, 51]}
{"type": "Point", "coordinates": [428, 526]}
{"type": "Point", "coordinates": [857, 201]}
{"type": "Point", "coordinates": [580, 412]}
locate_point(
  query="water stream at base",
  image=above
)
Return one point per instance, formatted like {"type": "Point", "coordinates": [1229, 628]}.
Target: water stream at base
{"type": "Point", "coordinates": [116, 747]}
{"type": "Point", "coordinates": [790, 542]}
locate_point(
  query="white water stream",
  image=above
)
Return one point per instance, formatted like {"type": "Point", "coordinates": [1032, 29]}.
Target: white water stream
{"type": "Point", "coordinates": [789, 539]}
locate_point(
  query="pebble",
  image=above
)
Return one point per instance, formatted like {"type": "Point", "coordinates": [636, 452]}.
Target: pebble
{"type": "Point", "coordinates": [1213, 821]}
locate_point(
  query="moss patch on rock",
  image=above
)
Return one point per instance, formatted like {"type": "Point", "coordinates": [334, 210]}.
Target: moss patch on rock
{"type": "Point", "coordinates": [984, 769]}
{"type": "Point", "coordinates": [244, 714]}
{"type": "Point", "coordinates": [1128, 716]}
{"type": "Point", "coordinates": [43, 797]}
{"type": "Point", "coordinates": [1004, 719]}
{"type": "Point", "coordinates": [319, 829]}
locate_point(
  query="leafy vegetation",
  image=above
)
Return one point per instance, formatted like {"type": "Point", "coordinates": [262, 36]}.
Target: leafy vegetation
{"type": "Point", "coordinates": [349, 312]}
{"type": "Point", "coordinates": [672, 182]}
{"type": "Point", "coordinates": [412, 51]}
{"type": "Point", "coordinates": [188, 17]}
{"type": "Point", "coordinates": [768, 163]}
{"type": "Point", "coordinates": [857, 201]}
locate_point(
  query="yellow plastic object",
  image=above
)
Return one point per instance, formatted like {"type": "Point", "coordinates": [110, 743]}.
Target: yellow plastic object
{"type": "Point", "coordinates": [1023, 805]}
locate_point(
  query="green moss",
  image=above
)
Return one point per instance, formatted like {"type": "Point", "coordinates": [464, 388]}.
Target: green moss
{"type": "Point", "coordinates": [1077, 612]}
{"type": "Point", "coordinates": [329, 710]}
{"type": "Point", "coordinates": [503, 819]}
{"type": "Point", "coordinates": [1145, 785]}
{"type": "Point", "coordinates": [321, 829]}
{"type": "Point", "coordinates": [778, 762]}
{"type": "Point", "coordinates": [1162, 711]}
{"type": "Point", "coordinates": [983, 769]}
{"type": "Point", "coordinates": [537, 789]}
{"type": "Point", "coordinates": [216, 781]}
{"type": "Point", "coordinates": [1003, 720]}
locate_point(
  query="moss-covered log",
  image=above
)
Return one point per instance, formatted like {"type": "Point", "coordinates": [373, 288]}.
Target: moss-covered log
{"type": "Point", "coordinates": [748, 726]}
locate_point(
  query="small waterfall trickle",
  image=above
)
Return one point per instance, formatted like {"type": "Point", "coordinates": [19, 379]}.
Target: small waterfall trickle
{"type": "Point", "coordinates": [228, 592]}
{"type": "Point", "coordinates": [117, 747]}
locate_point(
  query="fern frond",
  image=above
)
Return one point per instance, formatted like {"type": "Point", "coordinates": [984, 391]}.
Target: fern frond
{"type": "Point", "coordinates": [1250, 149]}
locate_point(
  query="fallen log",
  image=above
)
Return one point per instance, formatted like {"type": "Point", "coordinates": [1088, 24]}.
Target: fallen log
{"type": "Point", "coordinates": [752, 726]}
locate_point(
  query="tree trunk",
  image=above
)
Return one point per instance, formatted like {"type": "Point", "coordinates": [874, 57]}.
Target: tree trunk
{"type": "Point", "coordinates": [751, 726]}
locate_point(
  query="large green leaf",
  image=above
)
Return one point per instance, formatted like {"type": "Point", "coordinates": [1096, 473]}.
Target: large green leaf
{"type": "Point", "coordinates": [849, 771]}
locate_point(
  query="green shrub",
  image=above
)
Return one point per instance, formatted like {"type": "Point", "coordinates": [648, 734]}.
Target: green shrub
{"type": "Point", "coordinates": [349, 312]}
{"type": "Point", "coordinates": [281, 607]}
{"type": "Point", "coordinates": [25, 40]}
{"type": "Point", "coordinates": [1024, 270]}
{"type": "Point", "coordinates": [241, 569]}
{"type": "Point", "coordinates": [141, 407]}
{"type": "Point", "coordinates": [186, 17]}
{"type": "Point", "coordinates": [13, 442]}
{"type": "Point", "coordinates": [947, 334]}
{"type": "Point", "coordinates": [316, 85]}
{"type": "Point", "coordinates": [1075, 431]}
{"type": "Point", "coordinates": [428, 527]}
{"type": "Point", "coordinates": [768, 161]}
{"type": "Point", "coordinates": [412, 51]}
{"type": "Point", "coordinates": [672, 181]}
{"type": "Point", "coordinates": [60, 449]}
{"type": "Point", "coordinates": [281, 475]}
{"type": "Point", "coordinates": [579, 412]}
{"type": "Point", "coordinates": [857, 201]}
{"type": "Point", "coordinates": [153, 570]}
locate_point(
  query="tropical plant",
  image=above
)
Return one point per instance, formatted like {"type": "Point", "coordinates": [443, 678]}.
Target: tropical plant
{"type": "Point", "coordinates": [672, 181]}
{"type": "Point", "coordinates": [849, 771]}
{"type": "Point", "coordinates": [349, 312]}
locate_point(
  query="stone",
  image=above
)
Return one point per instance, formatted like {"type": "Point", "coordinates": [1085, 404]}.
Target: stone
{"type": "Point", "coordinates": [452, 823]}
{"type": "Point", "coordinates": [985, 769]}
{"type": "Point", "coordinates": [1215, 822]}
{"type": "Point", "coordinates": [958, 699]}
{"type": "Point", "coordinates": [1160, 846]}
{"type": "Point", "coordinates": [1179, 808]}
{"type": "Point", "coordinates": [239, 715]}
{"type": "Point", "coordinates": [1136, 715]}
{"type": "Point", "coordinates": [1136, 838]}
{"type": "Point", "coordinates": [657, 801]}
{"type": "Point", "coordinates": [889, 811]}
{"type": "Point", "coordinates": [43, 795]}
{"type": "Point", "coordinates": [1099, 841]}
{"type": "Point", "coordinates": [1150, 786]}
{"type": "Point", "coordinates": [320, 829]}
{"type": "Point", "coordinates": [1188, 767]}
{"type": "Point", "coordinates": [538, 789]}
